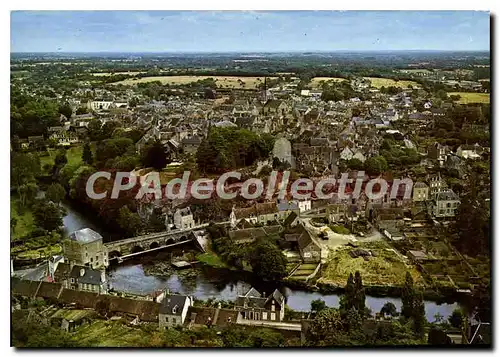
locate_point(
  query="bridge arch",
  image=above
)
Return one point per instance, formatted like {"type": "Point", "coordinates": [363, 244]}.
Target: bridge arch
{"type": "Point", "coordinates": [136, 249]}
{"type": "Point", "coordinates": [114, 254]}
{"type": "Point", "coordinates": [169, 241]}
{"type": "Point", "coordinates": [154, 245]}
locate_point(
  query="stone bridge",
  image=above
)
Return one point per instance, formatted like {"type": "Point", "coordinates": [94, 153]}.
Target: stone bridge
{"type": "Point", "coordinates": [149, 242]}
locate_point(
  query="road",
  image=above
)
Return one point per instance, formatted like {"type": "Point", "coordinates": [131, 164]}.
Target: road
{"type": "Point", "coordinates": [336, 240]}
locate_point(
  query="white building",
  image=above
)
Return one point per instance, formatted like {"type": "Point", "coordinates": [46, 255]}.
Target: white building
{"type": "Point", "coordinates": [173, 310]}
{"type": "Point", "coordinates": [183, 219]}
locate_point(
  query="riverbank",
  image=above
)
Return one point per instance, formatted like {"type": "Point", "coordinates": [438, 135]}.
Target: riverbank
{"type": "Point", "coordinates": [212, 261]}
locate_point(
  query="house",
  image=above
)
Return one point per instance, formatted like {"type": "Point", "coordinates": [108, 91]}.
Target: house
{"type": "Point", "coordinates": [82, 278]}
{"type": "Point", "coordinates": [190, 144]}
{"type": "Point", "coordinates": [249, 235]}
{"type": "Point", "coordinates": [85, 247]}
{"type": "Point", "coordinates": [173, 310]}
{"type": "Point", "coordinates": [420, 192]}
{"type": "Point", "coordinates": [309, 250]}
{"type": "Point", "coordinates": [336, 212]}
{"type": "Point", "coordinates": [417, 255]}
{"type": "Point", "coordinates": [63, 136]}
{"type": "Point", "coordinates": [100, 105]}
{"type": "Point", "coordinates": [253, 306]}
{"type": "Point", "coordinates": [445, 204]}
{"type": "Point", "coordinates": [183, 219]}
{"type": "Point", "coordinates": [291, 221]}
{"type": "Point", "coordinates": [438, 152]}
{"type": "Point", "coordinates": [36, 142]}
{"type": "Point", "coordinates": [436, 184]}
{"type": "Point", "coordinates": [346, 154]}
{"type": "Point", "coordinates": [469, 151]}
{"type": "Point", "coordinates": [275, 106]}
{"type": "Point", "coordinates": [259, 213]}
{"type": "Point", "coordinates": [393, 234]}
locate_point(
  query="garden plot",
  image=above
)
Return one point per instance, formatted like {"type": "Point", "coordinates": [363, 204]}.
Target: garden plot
{"type": "Point", "coordinates": [385, 267]}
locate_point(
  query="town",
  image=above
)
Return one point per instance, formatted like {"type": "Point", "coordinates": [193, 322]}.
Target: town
{"type": "Point", "coordinates": [407, 266]}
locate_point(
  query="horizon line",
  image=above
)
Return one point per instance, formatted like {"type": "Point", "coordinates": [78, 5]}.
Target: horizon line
{"type": "Point", "coordinates": [258, 51]}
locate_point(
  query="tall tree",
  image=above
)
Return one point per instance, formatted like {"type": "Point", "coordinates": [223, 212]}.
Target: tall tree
{"type": "Point", "coordinates": [419, 320]}
{"type": "Point", "coordinates": [347, 301]}
{"type": "Point", "coordinates": [154, 156]}
{"type": "Point", "coordinates": [267, 261]}
{"type": "Point", "coordinates": [407, 297]}
{"type": "Point", "coordinates": [87, 154]}
{"type": "Point", "coordinates": [55, 192]}
{"type": "Point", "coordinates": [48, 215]}
{"type": "Point", "coordinates": [317, 305]}
{"type": "Point", "coordinates": [359, 296]}
{"type": "Point", "coordinates": [389, 309]}
{"type": "Point", "coordinates": [66, 110]}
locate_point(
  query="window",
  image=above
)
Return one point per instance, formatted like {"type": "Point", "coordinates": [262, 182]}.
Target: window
{"type": "Point", "coordinates": [174, 321]}
{"type": "Point", "coordinates": [91, 260]}
{"type": "Point", "coordinates": [166, 319]}
{"type": "Point", "coordinates": [96, 258]}
{"type": "Point", "coordinates": [72, 280]}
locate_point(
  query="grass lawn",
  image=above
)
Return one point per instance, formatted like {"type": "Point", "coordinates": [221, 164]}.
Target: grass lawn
{"type": "Point", "coordinates": [24, 223]}
{"type": "Point", "coordinates": [387, 268]}
{"type": "Point", "coordinates": [111, 334]}
{"type": "Point", "coordinates": [222, 81]}
{"type": "Point", "coordinates": [211, 259]}
{"type": "Point", "coordinates": [466, 97]}
{"type": "Point", "coordinates": [73, 154]}
{"type": "Point", "coordinates": [387, 82]}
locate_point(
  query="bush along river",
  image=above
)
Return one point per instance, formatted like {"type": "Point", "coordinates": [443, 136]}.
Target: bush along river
{"type": "Point", "coordinates": [154, 272]}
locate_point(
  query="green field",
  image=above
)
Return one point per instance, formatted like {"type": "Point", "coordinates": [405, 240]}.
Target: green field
{"type": "Point", "coordinates": [467, 97]}
{"type": "Point", "coordinates": [387, 82]}
{"type": "Point", "coordinates": [73, 154]}
{"type": "Point", "coordinates": [222, 81]}
{"type": "Point", "coordinates": [24, 223]}
{"type": "Point", "coordinates": [317, 81]}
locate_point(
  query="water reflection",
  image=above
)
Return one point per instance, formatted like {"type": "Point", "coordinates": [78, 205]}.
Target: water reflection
{"type": "Point", "coordinates": [208, 283]}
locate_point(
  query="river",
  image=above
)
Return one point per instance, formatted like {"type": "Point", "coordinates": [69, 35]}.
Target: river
{"type": "Point", "coordinates": [204, 284]}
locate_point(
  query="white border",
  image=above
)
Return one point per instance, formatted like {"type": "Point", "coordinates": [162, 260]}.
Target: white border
{"type": "Point", "coordinates": [199, 5]}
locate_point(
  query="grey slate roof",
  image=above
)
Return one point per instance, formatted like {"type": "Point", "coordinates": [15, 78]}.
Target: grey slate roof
{"type": "Point", "coordinates": [447, 195]}
{"type": "Point", "coordinates": [173, 304]}
{"type": "Point", "coordinates": [90, 276]}
{"type": "Point", "coordinates": [85, 236]}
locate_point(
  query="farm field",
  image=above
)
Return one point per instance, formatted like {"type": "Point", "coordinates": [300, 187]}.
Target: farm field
{"type": "Point", "coordinates": [387, 82]}
{"type": "Point", "coordinates": [222, 81]}
{"type": "Point", "coordinates": [106, 74]}
{"type": "Point", "coordinates": [386, 268]}
{"type": "Point", "coordinates": [467, 97]}
{"type": "Point", "coordinates": [315, 82]}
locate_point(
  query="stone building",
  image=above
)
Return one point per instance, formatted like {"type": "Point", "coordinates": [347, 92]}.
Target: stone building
{"type": "Point", "coordinates": [85, 247]}
{"type": "Point", "coordinates": [254, 306]}
{"type": "Point", "coordinates": [183, 219]}
{"type": "Point", "coordinates": [420, 192]}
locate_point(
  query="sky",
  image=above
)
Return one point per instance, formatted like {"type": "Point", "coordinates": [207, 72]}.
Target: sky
{"type": "Point", "coordinates": [247, 31]}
